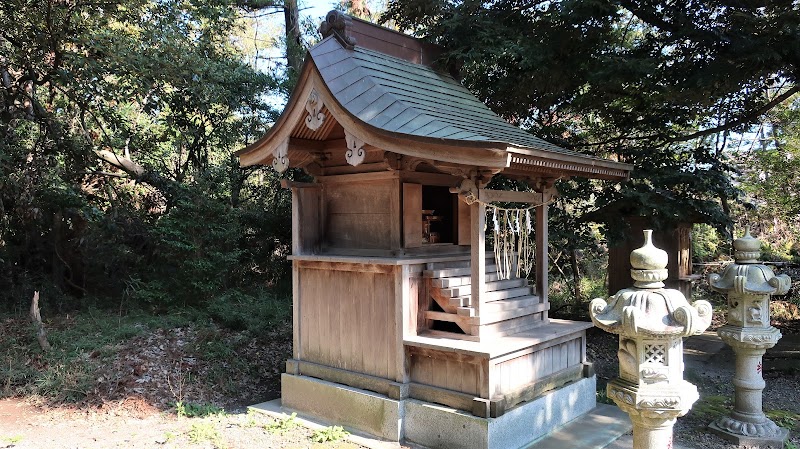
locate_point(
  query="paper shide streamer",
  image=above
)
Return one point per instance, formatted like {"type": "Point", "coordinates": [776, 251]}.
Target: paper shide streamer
{"type": "Point", "coordinates": [513, 241]}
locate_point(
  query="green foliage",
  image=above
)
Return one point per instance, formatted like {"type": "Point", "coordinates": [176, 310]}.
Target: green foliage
{"type": "Point", "coordinates": [331, 433]}
{"type": "Point", "coordinates": [769, 164]}
{"type": "Point", "coordinates": [168, 219]}
{"type": "Point", "coordinates": [193, 410]}
{"type": "Point", "coordinates": [12, 440]}
{"type": "Point", "coordinates": [205, 431]}
{"type": "Point", "coordinates": [786, 419]}
{"type": "Point", "coordinates": [251, 418]}
{"type": "Point", "coordinates": [602, 397]}
{"type": "Point", "coordinates": [663, 87]}
{"type": "Point", "coordinates": [706, 243]}
{"type": "Point", "coordinates": [283, 425]}
{"type": "Point", "coordinates": [257, 313]}
{"type": "Point", "coordinates": [65, 372]}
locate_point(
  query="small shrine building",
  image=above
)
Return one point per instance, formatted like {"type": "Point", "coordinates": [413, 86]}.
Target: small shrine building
{"type": "Point", "coordinates": [405, 325]}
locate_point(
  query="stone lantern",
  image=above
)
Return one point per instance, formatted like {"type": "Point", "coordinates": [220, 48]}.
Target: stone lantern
{"type": "Point", "coordinates": [651, 322]}
{"type": "Point", "coordinates": [748, 286]}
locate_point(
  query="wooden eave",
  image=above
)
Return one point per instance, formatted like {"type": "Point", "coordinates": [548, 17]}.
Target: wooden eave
{"type": "Point", "coordinates": [410, 109]}
{"type": "Point", "coordinates": [470, 153]}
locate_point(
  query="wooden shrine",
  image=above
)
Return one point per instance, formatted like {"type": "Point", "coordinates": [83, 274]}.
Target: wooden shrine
{"type": "Point", "coordinates": [402, 326]}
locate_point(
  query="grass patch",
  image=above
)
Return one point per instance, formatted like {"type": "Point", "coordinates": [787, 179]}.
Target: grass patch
{"type": "Point", "coordinates": [786, 419]}
{"type": "Point", "coordinates": [711, 407]}
{"type": "Point", "coordinates": [79, 343]}
{"type": "Point", "coordinates": [14, 439]}
{"type": "Point", "coordinates": [331, 433]}
{"type": "Point", "coordinates": [281, 426]}
{"type": "Point", "coordinates": [192, 410]}
{"type": "Point", "coordinates": [205, 431]}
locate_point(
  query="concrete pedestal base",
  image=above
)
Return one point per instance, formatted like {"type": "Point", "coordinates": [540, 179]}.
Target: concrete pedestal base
{"type": "Point", "coordinates": [761, 436]}
{"type": "Point", "coordinates": [433, 425]}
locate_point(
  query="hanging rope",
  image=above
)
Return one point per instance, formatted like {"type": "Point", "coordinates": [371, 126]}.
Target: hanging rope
{"type": "Point", "coordinates": [512, 230]}
{"type": "Point", "coordinates": [513, 241]}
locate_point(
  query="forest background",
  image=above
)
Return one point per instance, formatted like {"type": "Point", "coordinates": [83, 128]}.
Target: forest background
{"type": "Point", "coordinates": [119, 190]}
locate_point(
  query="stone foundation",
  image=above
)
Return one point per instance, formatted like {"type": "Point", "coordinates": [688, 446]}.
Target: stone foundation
{"type": "Point", "coordinates": [432, 425]}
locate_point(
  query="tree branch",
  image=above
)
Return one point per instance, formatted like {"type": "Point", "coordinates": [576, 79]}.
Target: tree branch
{"type": "Point", "coordinates": [741, 120]}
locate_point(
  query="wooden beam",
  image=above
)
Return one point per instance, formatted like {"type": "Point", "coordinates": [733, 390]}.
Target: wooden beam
{"type": "Point", "coordinates": [306, 144]}
{"type": "Point", "coordinates": [478, 259]}
{"type": "Point", "coordinates": [500, 405]}
{"type": "Point", "coordinates": [541, 254]}
{"type": "Point", "coordinates": [359, 177]}
{"type": "Point", "coordinates": [345, 266]}
{"type": "Point", "coordinates": [509, 196]}
{"type": "Point", "coordinates": [450, 398]}
{"type": "Point", "coordinates": [287, 184]}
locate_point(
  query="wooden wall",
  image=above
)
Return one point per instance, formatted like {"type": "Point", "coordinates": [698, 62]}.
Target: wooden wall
{"type": "Point", "coordinates": [517, 372]}
{"type": "Point", "coordinates": [346, 316]}
{"type": "Point", "coordinates": [490, 379]}
{"type": "Point", "coordinates": [362, 212]}
{"type": "Point", "coordinates": [441, 370]}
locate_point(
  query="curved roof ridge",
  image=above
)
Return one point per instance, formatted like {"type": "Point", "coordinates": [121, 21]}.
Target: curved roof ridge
{"type": "Point", "coordinates": [413, 99]}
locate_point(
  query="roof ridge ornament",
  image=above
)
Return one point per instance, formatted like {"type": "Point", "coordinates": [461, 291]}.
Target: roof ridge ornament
{"type": "Point", "coordinates": [314, 107]}
{"type": "Point", "coordinates": [355, 149]}
{"type": "Point", "coordinates": [339, 25]}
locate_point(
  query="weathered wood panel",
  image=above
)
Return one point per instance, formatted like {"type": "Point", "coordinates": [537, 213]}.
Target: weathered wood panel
{"type": "Point", "coordinates": [458, 375]}
{"type": "Point", "coordinates": [462, 222]}
{"type": "Point", "coordinates": [348, 319]}
{"type": "Point", "coordinates": [412, 215]}
{"type": "Point", "coordinates": [363, 214]}
{"type": "Point", "coordinates": [306, 219]}
{"type": "Point", "coordinates": [409, 288]}
{"type": "Point", "coordinates": [368, 231]}
{"type": "Point", "coordinates": [514, 373]}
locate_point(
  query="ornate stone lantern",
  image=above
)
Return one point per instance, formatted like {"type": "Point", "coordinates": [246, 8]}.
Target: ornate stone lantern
{"type": "Point", "coordinates": [651, 322]}
{"type": "Point", "coordinates": [748, 286]}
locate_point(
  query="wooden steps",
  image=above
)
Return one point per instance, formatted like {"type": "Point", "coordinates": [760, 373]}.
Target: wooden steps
{"type": "Point", "coordinates": [456, 272]}
{"type": "Point", "coordinates": [458, 281]}
{"type": "Point", "coordinates": [493, 286]}
{"type": "Point", "coordinates": [485, 318]}
{"type": "Point", "coordinates": [508, 306]}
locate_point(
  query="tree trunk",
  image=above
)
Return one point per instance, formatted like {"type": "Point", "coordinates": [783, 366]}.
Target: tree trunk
{"type": "Point", "coordinates": [576, 275]}
{"type": "Point", "coordinates": [294, 48]}
{"type": "Point", "coordinates": [57, 266]}
{"type": "Point", "coordinates": [36, 318]}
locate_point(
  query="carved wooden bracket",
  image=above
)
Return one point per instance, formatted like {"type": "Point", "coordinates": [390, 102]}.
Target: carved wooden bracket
{"type": "Point", "coordinates": [467, 191]}
{"type": "Point", "coordinates": [314, 107]}
{"type": "Point", "coordinates": [355, 149]}
{"type": "Point", "coordinates": [281, 157]}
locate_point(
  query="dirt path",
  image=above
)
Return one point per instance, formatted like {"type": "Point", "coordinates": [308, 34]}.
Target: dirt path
{"type": "Point", "coordinates": [135, 425]}
{"type": "Point", "coordinates": [129, 405]}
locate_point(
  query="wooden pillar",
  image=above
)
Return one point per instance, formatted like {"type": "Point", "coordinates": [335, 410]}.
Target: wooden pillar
{"type": "Point", "coordinates": [542, 265]}
{"type": "Point", "coordinates": [478, 259]}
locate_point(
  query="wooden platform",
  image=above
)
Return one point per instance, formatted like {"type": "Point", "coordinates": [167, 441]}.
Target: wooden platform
{"type": "Point", "coordinates": [492, 376]}
{"type": "Point", "coordinates": [501, 346]}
